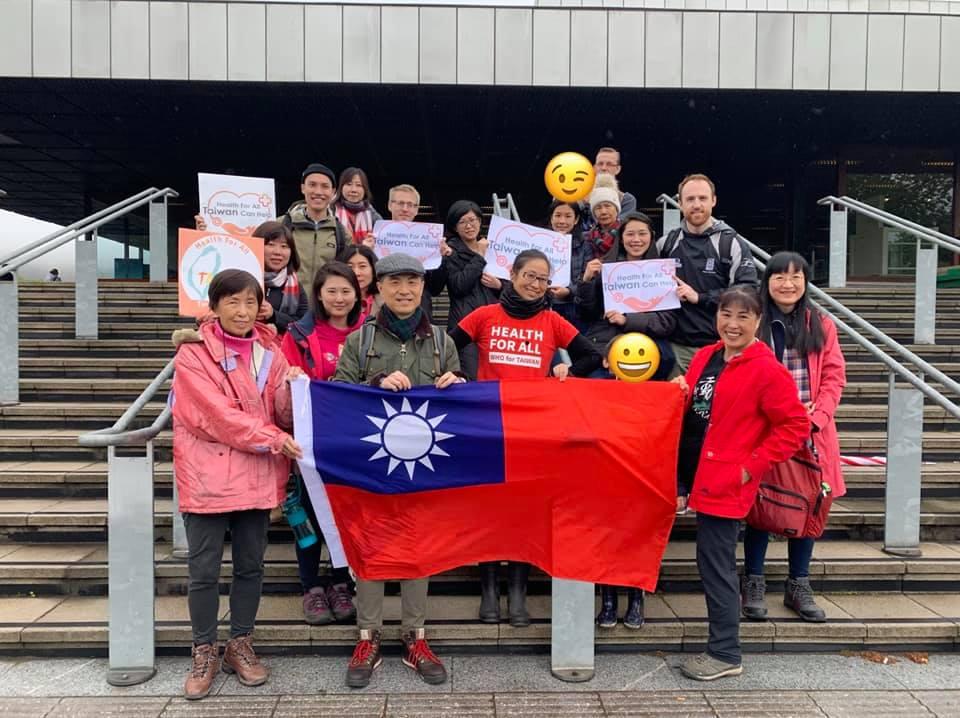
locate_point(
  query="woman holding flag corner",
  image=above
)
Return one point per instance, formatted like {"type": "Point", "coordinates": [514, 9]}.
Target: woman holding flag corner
{"type": "Point", "coordinates": [517, 338]}
{"type": "Point", "coordinates": [738, 434]}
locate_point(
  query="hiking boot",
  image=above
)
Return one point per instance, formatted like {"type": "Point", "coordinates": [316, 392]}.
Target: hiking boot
{"type": "Point", "coordinates": [753, 590]}
{"type": "Point", "coordinates": [519, 573]}
{"type": "Point", "coordinates": [239, 658]}
{"type": "Point", "coordinates": [341, 602]}
{"type": "Point", "coordinates": [609, 604]}
{"type": "Point", "coordinates": [418, 656]}
{"type": "Point", "coordinates": [206, 664]}
{"type": "Point", "coordinates": [366, 659]}
{"type": "Point", "coordinates": [316, 609]}
{"type": "Point", "coordinates": [705, 667]}
{"type": "Point", "coordinates": [798, 596]}
{"type": "Point", "coordinates": [633, 618]}
{"type": "Point", "coordinates": [489, 593]}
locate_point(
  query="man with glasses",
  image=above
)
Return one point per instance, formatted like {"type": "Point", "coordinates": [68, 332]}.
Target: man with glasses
{"type": "Point", "coordinates": [404, 205]}
{"type": "Point", "coordinates": [607, 162]}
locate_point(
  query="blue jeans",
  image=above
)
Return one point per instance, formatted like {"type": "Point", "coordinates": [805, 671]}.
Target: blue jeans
{"type": "Point", "coordinates": [799, 552]}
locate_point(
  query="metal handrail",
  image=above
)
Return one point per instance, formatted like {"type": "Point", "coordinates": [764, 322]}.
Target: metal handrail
{"type": "Point", "coordinates": [871, 348]}
{"type": "Point", "coordinates": [56, 233]}
{"type": "Point", "coordinates": [35, 250]}
{"type": "Point", "coordinates": [512, 208]}
{"type": "Point", "coordinates": [945, 241]}
{"type": "Point", "coordinates": [118, 434]}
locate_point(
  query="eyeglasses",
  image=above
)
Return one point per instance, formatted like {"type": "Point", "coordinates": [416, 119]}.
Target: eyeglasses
{"type": "Point", "coordinates": [404, 205]}
{"type": "Point", "coordinates": [780, 279]}
{"type": "Point", "coordinates": [468, 220]}
{"type": "Point", "coordinates": [531, 277]}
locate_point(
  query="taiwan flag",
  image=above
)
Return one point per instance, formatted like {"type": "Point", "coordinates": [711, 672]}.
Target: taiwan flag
{"type": "Point", "coordinates": [575, 477]}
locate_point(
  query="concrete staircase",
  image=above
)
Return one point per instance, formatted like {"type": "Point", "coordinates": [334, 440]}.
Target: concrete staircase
{"type": "Point", "coordinates": [53, 570]}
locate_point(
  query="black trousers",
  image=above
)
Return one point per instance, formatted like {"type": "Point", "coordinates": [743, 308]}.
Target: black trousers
{"type": "Point", "coordinates": [205, 539]}
{"type": "Point", "coordinates": [717, 563]}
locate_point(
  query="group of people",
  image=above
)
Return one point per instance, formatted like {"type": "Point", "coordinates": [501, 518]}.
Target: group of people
{"type": "Point", "coordinates": [331, 310]}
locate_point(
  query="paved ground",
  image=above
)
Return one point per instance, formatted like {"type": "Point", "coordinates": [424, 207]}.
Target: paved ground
{"type": "Point", "coordinates": [775, 685]}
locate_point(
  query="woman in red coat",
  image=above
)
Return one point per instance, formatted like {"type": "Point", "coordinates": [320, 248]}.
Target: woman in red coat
{"type": "Point", "coordinates": [743, 413]}
{"type": "Point", "coordinates": [806, 343]}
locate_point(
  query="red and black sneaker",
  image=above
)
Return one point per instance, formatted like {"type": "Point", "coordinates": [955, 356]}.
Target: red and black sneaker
{"type": "Point", "coordinates": [366, 658]}
{"type": "Point", "coordinates": [418, 656]}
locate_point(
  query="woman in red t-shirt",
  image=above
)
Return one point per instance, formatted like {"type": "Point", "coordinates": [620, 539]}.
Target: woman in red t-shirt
{"type": "Point", "coordinates": [517, 338]}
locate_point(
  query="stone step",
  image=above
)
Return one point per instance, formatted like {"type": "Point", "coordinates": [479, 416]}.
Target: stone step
{"type": "Point", "coordinates": [838, 565]}
{"type": "Point", "coordinates": [675, 622]}
{"type": "Point", "coordinates": [96, 348]}
{"type": "Point", "coordinates": [90, 389]}
{"type": "Point", "coordinates": [61, 444]}
{"type": "Point", "coordinates": [25, 520]}
{"type": "Point", "coordinates": [92, 415]}
{"type": "Point", "coordinates": [88, 479]}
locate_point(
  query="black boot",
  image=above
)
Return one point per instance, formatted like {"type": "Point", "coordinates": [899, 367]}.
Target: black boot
{"type": "Point", "coordinates": [607, 618]}
{"type": "Point", "coordinates": [633, 618]}
{"type": "Point", "coordinates": [517, 595]}
{"type": "Point", "coordinates": [489, 593]}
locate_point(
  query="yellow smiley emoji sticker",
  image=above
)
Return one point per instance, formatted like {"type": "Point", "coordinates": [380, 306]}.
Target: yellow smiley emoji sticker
{"type": "Point", "coordinates": [569, 177]}
{"type": "Point", "coordinates": [633, 357]}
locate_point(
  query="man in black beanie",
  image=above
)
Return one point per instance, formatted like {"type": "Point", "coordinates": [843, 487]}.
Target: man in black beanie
{"type": "Point", "coordinates": [318, 234]}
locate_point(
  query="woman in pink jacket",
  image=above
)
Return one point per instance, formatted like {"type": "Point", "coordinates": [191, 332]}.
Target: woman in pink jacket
{"type": "Point", "coordinates": [314, 344]}
{"type": "Point", "coordinates": [231, 459]}
{"type": "Point", "coordinates": [806, 343]}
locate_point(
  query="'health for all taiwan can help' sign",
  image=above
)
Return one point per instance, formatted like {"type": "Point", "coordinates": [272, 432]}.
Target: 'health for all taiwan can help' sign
{"type": "Point", "coordinates": [203, 254]}
{"type": "Point", "coordinates": [418, 239]}
{"type": "Point", "coordinates": [236, 205]}
{"type": "Point", "coordinates": [644, 286]}
{"type": "Point", "coordinates": [508, 239]}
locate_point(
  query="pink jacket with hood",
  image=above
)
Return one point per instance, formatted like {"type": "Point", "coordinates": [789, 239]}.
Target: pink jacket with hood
{"type": "Point", "coordinates": [227, 433]}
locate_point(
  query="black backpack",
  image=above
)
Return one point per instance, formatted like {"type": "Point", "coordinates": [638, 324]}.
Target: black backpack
{"type": "Point", "coordinates": [726, 245]}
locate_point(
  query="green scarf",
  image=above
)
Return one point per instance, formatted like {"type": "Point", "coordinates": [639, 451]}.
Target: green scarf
{"type": "Point", "coordinates": [404, 329]}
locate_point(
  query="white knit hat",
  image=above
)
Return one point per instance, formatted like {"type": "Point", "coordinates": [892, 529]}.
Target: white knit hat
{"type": "Point", "coordinates": [605, 190]}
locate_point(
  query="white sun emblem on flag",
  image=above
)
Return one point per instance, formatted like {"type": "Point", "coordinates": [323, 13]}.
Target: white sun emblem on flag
{"type": "Point", "coordinates": [407, 437]}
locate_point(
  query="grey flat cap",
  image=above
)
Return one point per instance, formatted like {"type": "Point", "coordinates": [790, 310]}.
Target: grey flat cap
{"type": "Point", "coordinates": [399, 264]}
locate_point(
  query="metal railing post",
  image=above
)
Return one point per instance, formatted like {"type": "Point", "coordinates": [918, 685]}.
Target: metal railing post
{"type": "Point", "coordinates": [671, 216]}
{"type": "Point", "coordinates": [901, 523]}
{"type": "Point", "coordinates": [158, 240]}
{"type": "Point", "coordinates": [131, 568]}
{"type": "Point", "coordinates": [925, 304]}
{"type": "Point", "coordinates": [9, 342]}
{"type": "Point", "coordinates": [179, 529]}
{"type": "Point", "coordinates": [86, 322]}
{"type": "Point", "coordinates": [838, 247]}
{"type": "Point", "coordinates": [572, 634]}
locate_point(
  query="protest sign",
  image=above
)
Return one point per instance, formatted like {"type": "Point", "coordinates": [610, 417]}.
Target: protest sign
{"type": "Point", "coordinates": [203, 254]}
{"type": "Point", "coordinates": [418, 239]}
{"type": "Point", "coordinates": [236, 205]}
{"type": "Point", "coordinates": [508, 239]}
{"type": "Point", "coordinates": [644, 286]}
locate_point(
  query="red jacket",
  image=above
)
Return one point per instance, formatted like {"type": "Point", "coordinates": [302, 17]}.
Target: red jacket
{"type": "Point", "coordinates": [828, 376]}
{"type": "Point", "coordinates": [314, 345]}
{"type": "Point", "coordinates": [756, 420]}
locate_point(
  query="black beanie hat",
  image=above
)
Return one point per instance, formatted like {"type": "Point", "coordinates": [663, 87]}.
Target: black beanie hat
{"type": "Point", "coordinates": [317, 168]}
{"type": "Point", "coordinates": [456, 212]}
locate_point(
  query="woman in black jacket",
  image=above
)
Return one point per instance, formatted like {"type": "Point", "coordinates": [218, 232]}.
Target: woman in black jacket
{"type": "Point", "coordinates": [468, 285]}
{"type": "Point", "coordinates": [635, 243]}
{"type": "Point", "coordinates": [284, 301]}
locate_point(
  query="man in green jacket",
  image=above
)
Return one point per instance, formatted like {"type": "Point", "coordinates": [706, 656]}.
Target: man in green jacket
{"type": "Point", "coordinates": [397, 350]}
{"type": "Point", "coordinates": [318, 234]}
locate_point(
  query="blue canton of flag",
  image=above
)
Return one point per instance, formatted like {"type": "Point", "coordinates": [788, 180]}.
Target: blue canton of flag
{"type": "Point", "coordinates": [401, 442]}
